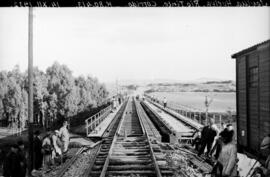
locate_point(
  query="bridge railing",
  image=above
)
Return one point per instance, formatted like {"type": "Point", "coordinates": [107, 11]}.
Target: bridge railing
{"type": "Point", "coordinates": [92, 122]}
{"type": "Point", "coordinates": [197, 114]}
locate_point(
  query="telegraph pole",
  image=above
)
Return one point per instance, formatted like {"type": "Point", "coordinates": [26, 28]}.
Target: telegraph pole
{"type": "Point", "coordinates": [207, 104]}
{"type": "Point", "coordinates": [30, 87]}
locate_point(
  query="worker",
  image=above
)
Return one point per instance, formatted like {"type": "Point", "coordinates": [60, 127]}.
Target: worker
{"type": "Point", "coordinates": [56, 149]}
{"type": "Point", "coordinates": [265, 150]}
{"type": "Point", "coordinates": [64, 134]}
{"type": "Point", "coordinates": [227, 160]}
{"type": "Point", "coordinates": [218, 143]}
{"type": "Point", "coordinates": [37, 149]}
{"type": "Point", "coordinates": [119, 101]}
{"type": "Point", "coordinates": [47, 148]}
{"type": "Point", "coordinates": [197, 139]}
{"type": "Point", "coordinates": [165, 102]}
{"type": "Point", "coordinates": [113, 103]}
{"type": "Point", "coordinates": [208, 135]}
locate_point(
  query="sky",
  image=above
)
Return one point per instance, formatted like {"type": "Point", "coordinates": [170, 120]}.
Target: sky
{"type": "Point", "coordinates": [134, 43]}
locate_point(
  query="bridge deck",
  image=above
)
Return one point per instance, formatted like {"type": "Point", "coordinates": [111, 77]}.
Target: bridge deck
{"type": "Point", "coordinates": [100, 129]}
{"type": "Point", "coordinates": [183, 118]}
{"type": "Point", "coordinates": [175, 124]}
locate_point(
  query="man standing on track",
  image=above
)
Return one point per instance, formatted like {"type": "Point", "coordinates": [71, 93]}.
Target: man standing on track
{"type": "Point", "coordinates": [165, 102]}
{"type": "Point", "coordinates": [56, 149]}
{"type": "Point", "coordinates": [208, 135]}
{"type": "Point", "coordinates": [64, 134]}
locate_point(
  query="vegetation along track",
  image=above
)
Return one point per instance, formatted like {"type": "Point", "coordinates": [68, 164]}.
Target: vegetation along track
{"type": "Point", "coordinates": [127, 151]}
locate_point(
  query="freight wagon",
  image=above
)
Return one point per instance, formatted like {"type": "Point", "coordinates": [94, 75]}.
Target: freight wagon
{"type": "Point", "coordinates": [252, 97]}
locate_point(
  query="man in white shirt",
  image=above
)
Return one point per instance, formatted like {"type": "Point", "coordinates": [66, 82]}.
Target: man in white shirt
{"type": "Point", "coordinates": [64, 134]}
{"type": "Point", "coordinates": [56, 149]}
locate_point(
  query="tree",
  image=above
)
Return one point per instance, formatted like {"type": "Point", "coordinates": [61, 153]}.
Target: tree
{"type": "Point", "coordinates": [40, 83]}
{"type": "Point", "coordinates": [84, 88]}
{"type": "Point", "coordinates": [3, 92]}
{"type": "Point", "coordinates": [61, 83]}
{"type": "Point", "coordinates": [51, 109]}
{"type": "Point", "coordinates": [98, 91]}
{"type": "Point", "coordinates": [57, 94]}
{"type": "Point", "coordinates": [13, 101]}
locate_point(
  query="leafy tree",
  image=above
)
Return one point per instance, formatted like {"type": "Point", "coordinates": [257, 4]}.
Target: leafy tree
{"type": "Point", "coordinates": [85, 95]}
{"type": "Point", "coordinates": [51, 109]}
{"type": "Point", "coordinates": [61, 83]}
{"type": "Point", "coordinates": [13, 97]}
{"type": "Point", "coordinates": [56, 94]}
{"type": "Point", "coordinates": [3, 92]}
{"type": "Point", "coordinates": [40, 83]}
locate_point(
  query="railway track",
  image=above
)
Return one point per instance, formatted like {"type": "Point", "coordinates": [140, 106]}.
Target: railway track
{"type": "Point", "coordinates": [100, 157]}
{"type": "Point", "coordinates": [129, 152]}
{"type": "Point", "coordinates": [128, 148]}
{"type": "Point", "coordinates": [67, 165]}
{"type": "Point", "coordinates": [83, 165]}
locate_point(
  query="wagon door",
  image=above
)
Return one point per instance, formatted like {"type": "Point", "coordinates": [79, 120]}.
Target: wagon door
{"type": "Point", "coordinates": [253, 103]}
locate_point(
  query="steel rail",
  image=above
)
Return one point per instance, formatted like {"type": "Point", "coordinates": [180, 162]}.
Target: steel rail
{"type": "Point", "coordinates": [86, 173]}
{"type": "Point", "coordinates": [148, 140]}
{"type": "Point", "coordinates": [114, 119]}
{"type": "Point", "coordinates": [148, 122]}
{"type": "Point", "coordinates": [69, 163]}
{"type": "Point", "coordinates": [106, 164]}
{"type": "Point", "coordinates": [104, 135]}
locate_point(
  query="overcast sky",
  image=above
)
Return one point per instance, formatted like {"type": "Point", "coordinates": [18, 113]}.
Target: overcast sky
{"type": "Point", "coordinates": [134, 43]}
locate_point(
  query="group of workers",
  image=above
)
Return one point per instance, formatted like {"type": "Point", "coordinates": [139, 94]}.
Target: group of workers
{"type": "Point", "coordinates": [220, 145]}
{"type": "Point", "coordinates": [55, 145]}
{"type": "Point", "coordinates": [46, 152]}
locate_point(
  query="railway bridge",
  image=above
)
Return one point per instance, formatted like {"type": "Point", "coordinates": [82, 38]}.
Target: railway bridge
{"type": "Point", "coordinates": [136, 139]}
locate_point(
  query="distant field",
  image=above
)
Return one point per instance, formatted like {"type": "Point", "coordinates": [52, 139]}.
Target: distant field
{"type": "Point", "coordinates": [221, 101]}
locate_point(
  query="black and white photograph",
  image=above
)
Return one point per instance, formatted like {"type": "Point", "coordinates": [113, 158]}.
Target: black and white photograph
{"type": "Point", "coordinates": [135, 92]}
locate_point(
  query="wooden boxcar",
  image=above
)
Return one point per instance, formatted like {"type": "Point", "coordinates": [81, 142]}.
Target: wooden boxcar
{"type": "Point", "coordinates": [253, 96]}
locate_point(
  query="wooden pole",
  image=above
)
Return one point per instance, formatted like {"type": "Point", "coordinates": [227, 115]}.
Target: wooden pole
{"type": "Point", "coordinates": [30, 87]}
